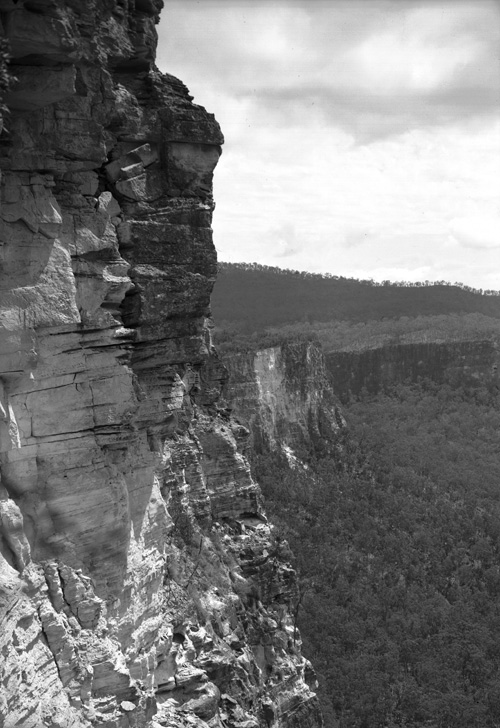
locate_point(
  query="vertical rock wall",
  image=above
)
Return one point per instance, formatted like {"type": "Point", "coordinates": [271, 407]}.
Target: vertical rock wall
{"type": "Point", "coordinates": [139, 583]}
{"type": "Point", "coordinates": [283, 395]}
{"type": "Point", "coordinates": [456, 363]}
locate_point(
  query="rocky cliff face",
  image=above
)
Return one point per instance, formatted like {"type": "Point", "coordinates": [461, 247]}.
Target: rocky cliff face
{"type": "Point", "coordinates": [139, 583]}
{"type": "Point", "coordinates": [462, 363]}
{"type": "Point", "coordinates": [284, 397]}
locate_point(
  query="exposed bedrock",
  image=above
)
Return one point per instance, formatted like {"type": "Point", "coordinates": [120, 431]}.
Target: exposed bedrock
{"type": "Point", "coordinates": [284, 397]}
{"type": "Point", "coordinates": [456, 363]}
{"type": "Point", "coordinates": [138, 581]}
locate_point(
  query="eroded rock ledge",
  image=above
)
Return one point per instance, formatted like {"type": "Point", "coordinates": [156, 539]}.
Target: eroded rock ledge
{"type": "Point", "coordinates": [140, 582]}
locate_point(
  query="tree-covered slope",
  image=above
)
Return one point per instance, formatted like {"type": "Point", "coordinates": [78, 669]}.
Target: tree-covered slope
{"type": "Point", "coordinates": [256, 297]}
{"type": "Point", "coordinates": [396, 531]}
{"type": "Point", "coordinates": [398, 545]}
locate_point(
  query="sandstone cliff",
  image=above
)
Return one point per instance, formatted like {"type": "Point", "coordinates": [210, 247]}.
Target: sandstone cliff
{"type": "Point", "coordinates": [139, 585]}
{"type": "Point", "coordinates": [285, 398]}
{"type": "Point", "coordinates": [457, 363]}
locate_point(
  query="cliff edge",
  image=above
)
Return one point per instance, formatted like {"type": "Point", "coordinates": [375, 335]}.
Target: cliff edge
{"type": "Point", "coordinates": [283, 395]}
{"type": "Point", "coordinates": [140, 581]}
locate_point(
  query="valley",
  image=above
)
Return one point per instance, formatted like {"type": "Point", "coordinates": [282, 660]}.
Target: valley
{"type": "Point", "coordinates": [392, 512]}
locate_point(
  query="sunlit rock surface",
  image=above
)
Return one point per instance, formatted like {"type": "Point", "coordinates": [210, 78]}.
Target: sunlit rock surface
{"type": "Point", "coordinates": [284, 397]}
{"type": "Point", "coordinates": [140, 583]}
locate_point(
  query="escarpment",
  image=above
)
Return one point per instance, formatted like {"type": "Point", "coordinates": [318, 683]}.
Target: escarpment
{"type": "Point", "coordinates": [140, 582]}
{"type": "Point", "coordinates": [284, 396]}
{"type": "Point", "coordinates": [456, 363]}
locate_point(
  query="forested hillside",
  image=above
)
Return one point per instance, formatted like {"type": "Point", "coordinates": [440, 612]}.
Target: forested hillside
{"type": "Point", "coordinates": [396, 531]}
{"type": "Point", "coordinates": [397, 541]}
{"type": "Point", "coordinates": [255, 297]}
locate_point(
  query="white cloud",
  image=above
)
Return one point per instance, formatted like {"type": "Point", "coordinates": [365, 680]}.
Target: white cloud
{"type": "Point", "coordinates": [476, 231]}
{"type": "Point", "coordinates": [361, 137]}
{"type": "Point", "coordinates": [387, 204]}
{"type": "Point", "coordinates": [406, 59]}
{"type": "Point", "coordinates": [343, 52]}
{"type": "Point", "coordinates": [285, 242]}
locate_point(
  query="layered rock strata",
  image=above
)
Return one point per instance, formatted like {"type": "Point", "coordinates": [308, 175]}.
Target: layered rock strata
{"type": "Point", "coordinates": [283, 395]}
{"type": "Point", "coordinates": [140, 583]}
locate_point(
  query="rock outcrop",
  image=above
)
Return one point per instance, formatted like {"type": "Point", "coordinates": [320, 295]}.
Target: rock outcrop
{"type": "Point", "coordinates": [456, 363]}
{"type": "Point", "coordinates": [284, 397]}
{"type": "Point", "coordinates": [139, 584]}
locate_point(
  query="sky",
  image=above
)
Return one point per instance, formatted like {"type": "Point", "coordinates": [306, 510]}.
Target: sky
{"type": "Point", "coordinates": [362, 137]}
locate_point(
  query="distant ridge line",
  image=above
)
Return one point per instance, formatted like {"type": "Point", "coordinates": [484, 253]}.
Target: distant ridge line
{"type": "Point", "coordinates": [224, 265]}
{"type": "Point", "coordinates": [254, 297]}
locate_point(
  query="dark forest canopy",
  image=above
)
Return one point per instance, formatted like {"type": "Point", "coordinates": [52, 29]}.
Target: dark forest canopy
{"type": "Point", "coordinates": [396, 532]}
{"type": "Point", "coordinates": [257, 297]}
{"type": "Point", "coordinates": [396, 539]}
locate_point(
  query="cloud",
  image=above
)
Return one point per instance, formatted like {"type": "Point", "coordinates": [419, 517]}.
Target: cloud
{"type": "Point", "coordinates": [369, 117]}
{"type": "Point", "coordinates": [373, 68]}
{"type": "Point", "coordinates": [478, 231]}
{"type": "Point", "coordinates": [310, 200]}
{"type": "Point", "coordinates": [354, 237]}
{"type": "Point", "coordinates": [285, 242]}
{"type": "Point", "coordinates": [362, 136]}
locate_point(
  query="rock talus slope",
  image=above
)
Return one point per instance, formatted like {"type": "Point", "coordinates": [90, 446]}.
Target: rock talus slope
{"type": "Point", "coordinates": [140, 584]}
